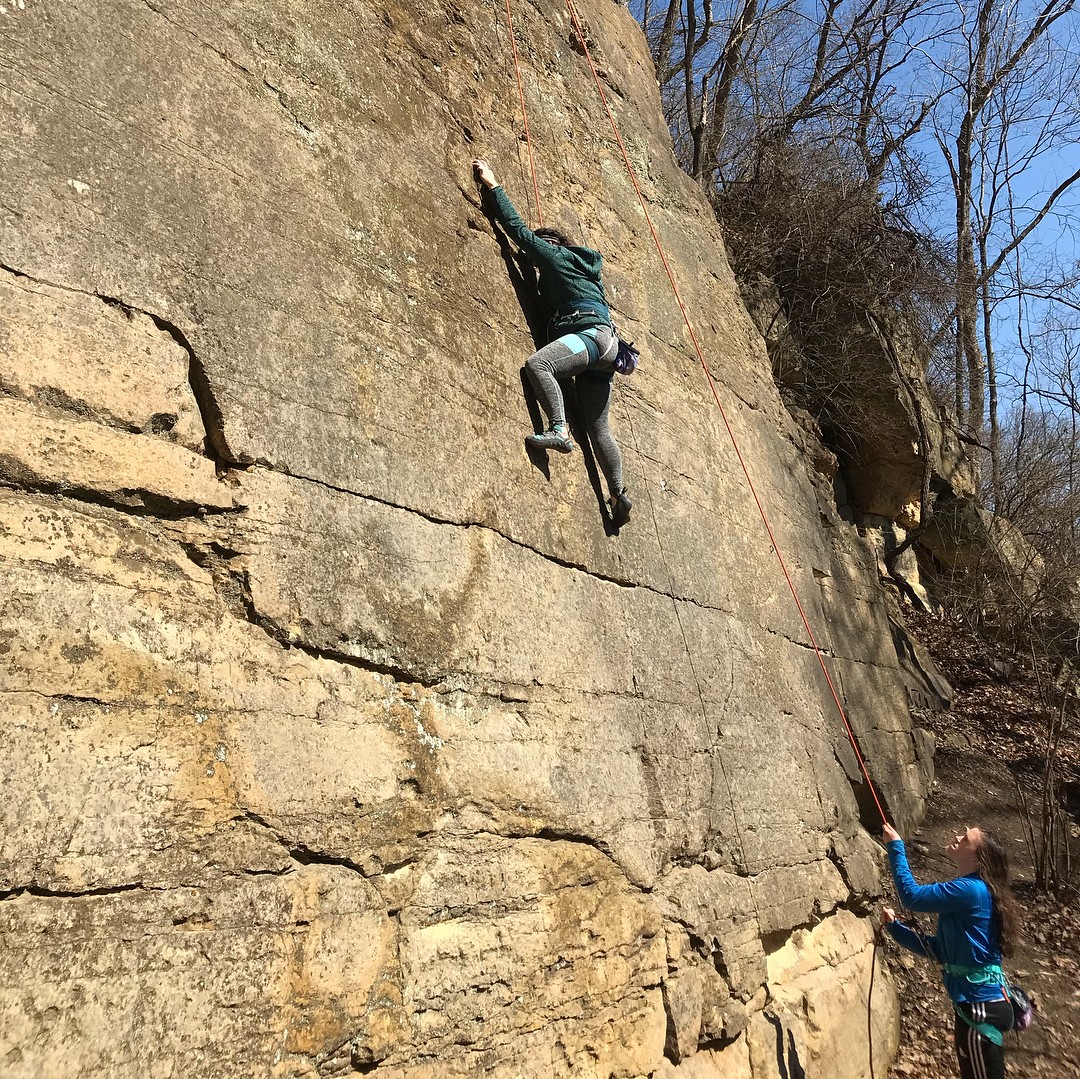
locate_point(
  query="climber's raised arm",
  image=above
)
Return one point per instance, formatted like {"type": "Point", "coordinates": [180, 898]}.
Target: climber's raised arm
{"type": "Point", "coordinates": [543, 245]}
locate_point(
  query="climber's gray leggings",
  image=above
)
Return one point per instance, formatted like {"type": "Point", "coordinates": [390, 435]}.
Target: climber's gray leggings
{"type": "Point", "coordinates": [567, 356]}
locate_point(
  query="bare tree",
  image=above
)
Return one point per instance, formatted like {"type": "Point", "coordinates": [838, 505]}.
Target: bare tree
{"type": "Point", "coordinates": [1003, 79]}
{"type": "Point", "coordinates": [782, 65]}
{"type": "Point", "coordinates": [753, 86]}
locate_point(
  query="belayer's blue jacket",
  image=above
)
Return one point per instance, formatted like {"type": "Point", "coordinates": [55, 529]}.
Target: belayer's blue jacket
{"type": "Point", "coordinates": [965, 935]}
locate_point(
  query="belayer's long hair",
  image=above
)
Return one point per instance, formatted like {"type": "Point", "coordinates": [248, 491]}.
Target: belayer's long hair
{"type": "Point", "coordinates": [994, 867]}
{"type": "Point", "coordinates": [554, 236]}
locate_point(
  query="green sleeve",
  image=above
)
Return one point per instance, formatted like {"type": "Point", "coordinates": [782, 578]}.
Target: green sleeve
{"type": "Point", "coordinates": [540, 250]}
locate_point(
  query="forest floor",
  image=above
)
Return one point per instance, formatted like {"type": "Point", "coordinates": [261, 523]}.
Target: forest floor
{"type": "Point", "coordinates": [992, 741]}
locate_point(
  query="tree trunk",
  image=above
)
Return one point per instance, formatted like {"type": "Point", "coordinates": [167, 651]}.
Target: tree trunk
{"type": "Point", "coordinates": [666, 41]}
{"type": "Point", "coordinates": [991, 375]}
{"type": "Point", "coordinates": [731, 60]}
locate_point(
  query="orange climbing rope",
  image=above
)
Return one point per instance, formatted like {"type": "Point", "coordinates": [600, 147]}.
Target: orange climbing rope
{"type": "Point", "coordinates": [712, 385]}
{"type": "Point", "coordinates": [524, 115]}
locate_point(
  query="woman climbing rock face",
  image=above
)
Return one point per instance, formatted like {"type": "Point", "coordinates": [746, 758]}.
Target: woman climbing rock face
{"type": "Point", "coordinates": [582, 343]}
{"type": "Point", "coordinates": [977, 923]}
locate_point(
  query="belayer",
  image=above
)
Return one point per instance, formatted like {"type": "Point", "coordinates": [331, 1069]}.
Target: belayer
{"type": "Point", "coordinates": [977, 923]}
{"type": "Point", "coordinates": [582, 341]}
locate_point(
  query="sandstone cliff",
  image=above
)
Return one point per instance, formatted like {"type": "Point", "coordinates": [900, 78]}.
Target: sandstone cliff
{"type": "Point", "coordinates": [339, 736]}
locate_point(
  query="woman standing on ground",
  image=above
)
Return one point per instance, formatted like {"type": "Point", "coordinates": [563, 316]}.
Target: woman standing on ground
{"type": "Point", "coordinates": [977, 924]}
{"type": "Point", "coordinates": [582, 341]}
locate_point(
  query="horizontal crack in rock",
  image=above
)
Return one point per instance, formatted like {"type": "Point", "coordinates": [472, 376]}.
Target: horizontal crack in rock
{"type": "Point", "coordinates": [133, 502]}
{"type": "Point", "coordinates": [302, 854]}
{"type": "Point", "coordinates": [546, 555]}
{"type": "Point", "coordinates": [59, 893]}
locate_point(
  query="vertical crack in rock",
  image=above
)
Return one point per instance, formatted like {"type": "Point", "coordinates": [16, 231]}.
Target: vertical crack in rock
{"type": "Point", "coordinates": [859, 901]}
{"type": "Point", "coordinates": [233, 585]}
{"type": "Point", "coordinates": [217, 447]}
{"type": "Point", "coordinates": [869, 816]}
{"type": "Point", "coordinates": [788, 1065]}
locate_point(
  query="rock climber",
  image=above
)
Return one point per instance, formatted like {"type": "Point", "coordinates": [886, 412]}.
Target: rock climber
{"type": "Point", "coordinates": [582, 342]}
{"type": "Point", "coordinates": [977, 923]}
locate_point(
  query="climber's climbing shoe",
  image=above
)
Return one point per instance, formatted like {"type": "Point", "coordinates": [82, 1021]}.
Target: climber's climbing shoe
{"type": "Point", "coordinates": [555, 439]}
{"type": "Point", "coordinates": [620, 508]}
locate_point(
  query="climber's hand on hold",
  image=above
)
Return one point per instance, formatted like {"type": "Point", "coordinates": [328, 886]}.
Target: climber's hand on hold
{"type": "Point", "coordinates": [888, 915]}
{"type": "Point", "coordinates": [889, 833]}
{"type": "Point", "coordinates": [484, 173]}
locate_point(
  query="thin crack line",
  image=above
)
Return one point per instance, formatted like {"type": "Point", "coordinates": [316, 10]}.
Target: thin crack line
{"type": "Point", "coordinates": [521, 544]}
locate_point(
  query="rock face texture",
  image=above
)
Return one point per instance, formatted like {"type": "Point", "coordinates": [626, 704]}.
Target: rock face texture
{"type": "Point", "coordinates": [340, 736]}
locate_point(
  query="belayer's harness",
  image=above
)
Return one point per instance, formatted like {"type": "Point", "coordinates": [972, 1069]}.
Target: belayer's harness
{"type": "Point", "coordinates": [990, 974]}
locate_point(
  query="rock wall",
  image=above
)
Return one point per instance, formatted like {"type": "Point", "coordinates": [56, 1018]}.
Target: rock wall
{"type": "Point", "coordinates": [341, 737]}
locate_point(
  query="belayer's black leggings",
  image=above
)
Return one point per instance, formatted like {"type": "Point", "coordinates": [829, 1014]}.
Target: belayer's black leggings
{"type": "Point", "coordinates": [978, 1056]}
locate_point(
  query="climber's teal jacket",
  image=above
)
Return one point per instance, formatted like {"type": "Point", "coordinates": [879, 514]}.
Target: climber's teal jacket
{"type": "Point", "coordinates": [965, 938]}
{"type": "Point", "coordinates": [568, 276]}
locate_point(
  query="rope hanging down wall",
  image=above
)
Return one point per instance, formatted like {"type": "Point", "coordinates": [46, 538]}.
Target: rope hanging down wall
{"type": "Point", "coordinates": [704, 366]}
{"type": "Point", "coordinates": [524, 115]}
